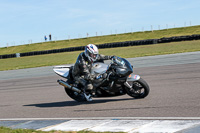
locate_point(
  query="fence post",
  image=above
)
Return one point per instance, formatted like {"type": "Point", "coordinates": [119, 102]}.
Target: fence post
{"type": "Point", "coordinates": [69, 37]}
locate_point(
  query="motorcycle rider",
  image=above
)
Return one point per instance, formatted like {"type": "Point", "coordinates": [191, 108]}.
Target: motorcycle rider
{"type": "Point", "coordinates": [82, 67]}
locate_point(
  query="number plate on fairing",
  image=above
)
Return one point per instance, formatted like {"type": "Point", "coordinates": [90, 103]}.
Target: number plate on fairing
{"type": "Point", "coordinates": [133, 77]}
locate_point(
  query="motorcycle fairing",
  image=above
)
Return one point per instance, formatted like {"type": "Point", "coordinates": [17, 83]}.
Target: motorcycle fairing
{"type": "Point", "coordinates": [133, 77]}
{"type": "Point", "coordinates": [62, 71]}
{"type": "Point", "coordinates": [99, 68]}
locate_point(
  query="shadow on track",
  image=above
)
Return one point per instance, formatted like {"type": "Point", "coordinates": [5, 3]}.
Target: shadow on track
{"type": "Point", "coordinates": [74, 103]}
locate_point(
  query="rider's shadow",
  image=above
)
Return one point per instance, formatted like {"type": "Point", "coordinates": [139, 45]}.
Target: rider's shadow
{"type": "Point", "coordinates": [75, 103]}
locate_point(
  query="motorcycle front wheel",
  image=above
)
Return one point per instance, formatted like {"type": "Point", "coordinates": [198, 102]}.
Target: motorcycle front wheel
{"type": "Point", "coordinates": [140, 89]}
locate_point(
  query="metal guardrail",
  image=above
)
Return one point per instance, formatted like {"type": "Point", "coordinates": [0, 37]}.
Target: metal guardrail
{"type": "Point", "coordinates": [108, 45]}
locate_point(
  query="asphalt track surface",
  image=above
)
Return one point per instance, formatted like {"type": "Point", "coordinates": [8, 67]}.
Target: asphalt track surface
{"type": "Point", "coordinates": [174, 81]}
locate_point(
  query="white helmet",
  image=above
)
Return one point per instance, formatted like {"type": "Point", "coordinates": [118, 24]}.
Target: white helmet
{"type": "Point", "coordinates": [91, 52]}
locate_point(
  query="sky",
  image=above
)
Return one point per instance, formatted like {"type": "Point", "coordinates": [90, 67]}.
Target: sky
{"type": "Point", "coordinates": [28, 21]}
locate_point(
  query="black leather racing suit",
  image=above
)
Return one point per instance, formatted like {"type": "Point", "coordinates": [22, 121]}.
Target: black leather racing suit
{"type": "Point", "coordinates": [82, 67]}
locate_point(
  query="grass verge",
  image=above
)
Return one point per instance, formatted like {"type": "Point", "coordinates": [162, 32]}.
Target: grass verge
{"type": "Point", "coordinates": [9, 130]}
{"type": "Point", "coordinates": [125, 52]}
{"type": "Point", "coordinates": [102, 40]}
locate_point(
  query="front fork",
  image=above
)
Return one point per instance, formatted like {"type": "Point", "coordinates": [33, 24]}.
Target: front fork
{"type": "Point", "coordinates": [131, 78]}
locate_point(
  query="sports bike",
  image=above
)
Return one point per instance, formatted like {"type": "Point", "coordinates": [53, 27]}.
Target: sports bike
{"type": "Point", "coordinates": [108, 80]}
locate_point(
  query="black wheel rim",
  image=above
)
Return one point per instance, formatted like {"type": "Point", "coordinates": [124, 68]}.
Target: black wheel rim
{"type": "Point", "coordinates": [137, 90]}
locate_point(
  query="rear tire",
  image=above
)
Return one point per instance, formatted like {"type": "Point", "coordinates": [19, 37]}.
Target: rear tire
{"type": "Point", "coordinates": [74, 95]}
{"type": "Point", "coordinates": [140, 89]}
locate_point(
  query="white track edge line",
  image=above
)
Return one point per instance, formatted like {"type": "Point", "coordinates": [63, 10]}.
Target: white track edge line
{"type": "Point", "coordinates": [105, 118]}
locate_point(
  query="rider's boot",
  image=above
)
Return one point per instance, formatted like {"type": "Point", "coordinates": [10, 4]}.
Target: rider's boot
{"type": "Point", "coordinates": [88, 87]}
{"type": "Point", "coordinates": [88, 97]}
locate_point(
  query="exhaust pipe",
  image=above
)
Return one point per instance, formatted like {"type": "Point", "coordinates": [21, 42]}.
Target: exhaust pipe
{"type": "Point", "coordinates": [66, 85]}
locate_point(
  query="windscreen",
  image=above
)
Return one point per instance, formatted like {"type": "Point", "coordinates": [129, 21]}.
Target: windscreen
{"type": "Point", "coordinates": [119, 61]}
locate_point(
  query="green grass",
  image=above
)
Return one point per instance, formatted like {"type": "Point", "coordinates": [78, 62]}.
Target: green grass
{"type": "Point", "coordinates": [101, 40]}
{"type": "Point", "coordinates": [9, 130]}
{"type": "Point", "coordinates": [126, 52]}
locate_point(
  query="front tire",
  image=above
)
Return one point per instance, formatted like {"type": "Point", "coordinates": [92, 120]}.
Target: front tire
{"type": "Point", "coordinates": [140, 89]}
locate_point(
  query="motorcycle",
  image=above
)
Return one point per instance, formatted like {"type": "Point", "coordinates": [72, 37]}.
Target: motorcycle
{"type": "Point", "coordinates": [108, 80]}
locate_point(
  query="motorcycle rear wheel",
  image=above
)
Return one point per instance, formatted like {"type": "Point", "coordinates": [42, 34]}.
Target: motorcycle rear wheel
{"type": "Point", "coordinates": [140, 89]}
{"type": "Point", "coordinates": [75, 96]}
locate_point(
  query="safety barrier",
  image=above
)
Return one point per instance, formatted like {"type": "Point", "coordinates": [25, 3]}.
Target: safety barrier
{"type": "Point", "coordinates": [7, 56]}
{"type": "Point", "coordinates": [178, 38]}
{"type": "Point", "coordinates": [107, 45]}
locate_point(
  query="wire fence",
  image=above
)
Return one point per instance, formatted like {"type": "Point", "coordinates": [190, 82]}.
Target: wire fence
{"type": "Point", "coordinates": [151, 28]}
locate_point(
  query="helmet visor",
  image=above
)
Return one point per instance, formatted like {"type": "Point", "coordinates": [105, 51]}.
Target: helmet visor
{"type": "Point", "coordinates": [93, 56]}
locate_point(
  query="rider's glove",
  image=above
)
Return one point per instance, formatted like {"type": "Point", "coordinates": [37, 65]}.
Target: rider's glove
{"type": "Point", "coordinates": [113, 56]}
{"type": "Point", "coordinates": [87, 77]}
